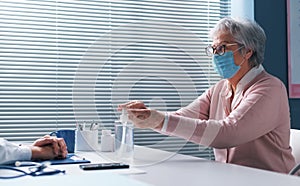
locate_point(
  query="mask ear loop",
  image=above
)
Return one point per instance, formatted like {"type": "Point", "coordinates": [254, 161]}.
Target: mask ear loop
{"type": "Point", "coordinates": [242, 62]}
{"type": "Point", "coordinates": [244, 59]}
{"type": "Point", "coordinates": [244, 54]}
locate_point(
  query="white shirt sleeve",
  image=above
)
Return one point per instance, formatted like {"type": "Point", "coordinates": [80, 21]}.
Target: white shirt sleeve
{"type": "Point", "coordinates": [11, 152]}
{"type": "Point", "coordinates": [165, 124]}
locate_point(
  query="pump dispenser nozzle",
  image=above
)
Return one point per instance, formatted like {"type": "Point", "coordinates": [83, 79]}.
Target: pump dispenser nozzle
{"type": "Point", "coordinates": [124, 117]}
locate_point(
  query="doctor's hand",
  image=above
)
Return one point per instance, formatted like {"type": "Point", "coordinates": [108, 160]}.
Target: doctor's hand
{"type": "Point", "coordinates": [146, 118]}
{"type": "Point", "coordinates": [42, 153]}
{"type": "Point", "coordinates": [58, 147]}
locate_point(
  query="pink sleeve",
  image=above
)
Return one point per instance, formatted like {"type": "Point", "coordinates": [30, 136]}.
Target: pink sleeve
{"type": "Point", "coordinates": [258, 113]}
{"type": "Point", "coordinates": [198, 109]}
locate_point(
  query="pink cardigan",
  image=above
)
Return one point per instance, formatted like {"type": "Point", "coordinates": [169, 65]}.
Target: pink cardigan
{"type": "Point", "coordinates": [254, 133]}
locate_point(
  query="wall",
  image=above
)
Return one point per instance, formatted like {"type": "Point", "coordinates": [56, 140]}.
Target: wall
{"type": "Point", "coordinates": [271, 15]}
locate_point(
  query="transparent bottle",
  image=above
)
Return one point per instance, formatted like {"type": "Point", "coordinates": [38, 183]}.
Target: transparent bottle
{"type": "Point", "coordinates": [124, 139]}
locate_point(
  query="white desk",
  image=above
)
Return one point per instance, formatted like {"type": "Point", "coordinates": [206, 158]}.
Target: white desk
{"type": "Point", "coordinates": [161, 168]}
{"type": "Point", "coordinates": [182, 170]}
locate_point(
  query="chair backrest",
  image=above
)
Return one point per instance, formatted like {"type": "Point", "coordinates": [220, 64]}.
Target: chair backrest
{"type": "Point", "coordinates": [295, 144]}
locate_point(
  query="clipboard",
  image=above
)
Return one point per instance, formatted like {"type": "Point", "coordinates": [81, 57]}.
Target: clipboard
{"type": "Point", "coordinates": [70, 159]}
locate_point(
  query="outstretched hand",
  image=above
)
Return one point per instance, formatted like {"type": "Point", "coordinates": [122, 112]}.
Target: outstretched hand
{"type": "Point", "coordinates": [146, 118]}
{"type": "Point", "coordinates": [141, 116]}
{"type": "Point", "coordinates": [132, 105]}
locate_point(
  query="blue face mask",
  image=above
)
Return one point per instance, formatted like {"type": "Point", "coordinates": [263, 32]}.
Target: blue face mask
{"type": "Point", "coordinates": [224, 65]}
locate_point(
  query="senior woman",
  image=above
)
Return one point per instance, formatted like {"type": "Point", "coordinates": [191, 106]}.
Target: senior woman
{"type": "Point", "coordinates": [245, 116]}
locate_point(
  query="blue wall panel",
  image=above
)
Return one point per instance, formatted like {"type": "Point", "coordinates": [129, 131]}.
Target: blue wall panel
{"type": "Point", "coordinates": [271, 15]}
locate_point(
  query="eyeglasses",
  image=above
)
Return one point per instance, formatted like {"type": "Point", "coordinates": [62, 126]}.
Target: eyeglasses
{"type": "Point", "coordinates": [220, 50]}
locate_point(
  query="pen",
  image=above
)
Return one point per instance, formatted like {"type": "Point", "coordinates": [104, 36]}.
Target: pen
{"type": "Point", "coordinates": [94, 126]}
{"type": "Point", "coordinates": [80, 127]}
{"type": "Point", "coordinates": [25, 163]}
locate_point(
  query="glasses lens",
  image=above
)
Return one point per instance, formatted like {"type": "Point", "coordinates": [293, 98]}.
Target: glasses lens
{"type": "Point", "coordinates": [209, 50]}
{"type": "Point", "coordinates": [220, 49]}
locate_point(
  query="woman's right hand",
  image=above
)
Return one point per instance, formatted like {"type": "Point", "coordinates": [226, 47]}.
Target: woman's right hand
{"type": "Point", "coordinates": [132, 105]}
{"type": "Point", "coordinates": [141, 116]}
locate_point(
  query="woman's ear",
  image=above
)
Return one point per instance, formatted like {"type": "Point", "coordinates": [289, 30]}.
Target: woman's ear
{"type": "Point", "coordinates": [248, 54]}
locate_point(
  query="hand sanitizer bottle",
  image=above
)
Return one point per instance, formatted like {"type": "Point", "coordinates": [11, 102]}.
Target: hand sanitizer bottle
{"type": "Point", "coordinates": [124, 142]}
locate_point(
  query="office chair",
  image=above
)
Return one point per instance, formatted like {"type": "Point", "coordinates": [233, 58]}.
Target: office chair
{"type": "Point", "coordinates": [295, 144]}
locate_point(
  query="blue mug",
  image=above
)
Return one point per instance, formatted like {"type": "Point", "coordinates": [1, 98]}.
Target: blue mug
{"type": "Point", "coordinates": [68, 135]}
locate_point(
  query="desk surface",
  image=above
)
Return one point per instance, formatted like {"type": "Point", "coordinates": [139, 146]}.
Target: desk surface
{"type": "Point", "coordinates": [186, 170]}
{"type": "Point", "coordinates": [162, 168]}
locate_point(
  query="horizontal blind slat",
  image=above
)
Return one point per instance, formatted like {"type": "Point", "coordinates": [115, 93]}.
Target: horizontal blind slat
{"type": "Point", "coordinates": [69, 61]}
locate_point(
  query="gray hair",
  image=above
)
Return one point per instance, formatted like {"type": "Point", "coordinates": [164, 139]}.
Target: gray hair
{"type": "Point", "coordinates": [245, 32]}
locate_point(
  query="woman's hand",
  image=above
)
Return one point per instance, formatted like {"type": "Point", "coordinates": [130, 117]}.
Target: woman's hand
{"type": "Point", "coordinates": [146, 118]}
{"type": "Point", "coordinates": [132, 105]}
{"type": "Point", "coordinates": [141, 116]}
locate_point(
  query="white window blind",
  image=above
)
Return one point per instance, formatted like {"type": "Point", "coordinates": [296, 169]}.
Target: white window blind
{"type": "Point", "coordinates": [62, 62]}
